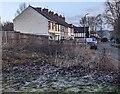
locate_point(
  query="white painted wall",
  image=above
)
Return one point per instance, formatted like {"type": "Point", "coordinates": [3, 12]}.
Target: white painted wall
{"type": "Point", "coordinates": [70, 33]}
{"type": "Point", "coordinates": [31, 22]}
{"type": "Point", "coordinates": [79, 34]}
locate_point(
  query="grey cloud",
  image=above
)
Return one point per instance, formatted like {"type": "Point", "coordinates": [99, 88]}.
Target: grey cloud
{"type": "Point", "coordinates": [94, 9]}
{"type": "Point", "coordinates": [74, 20]}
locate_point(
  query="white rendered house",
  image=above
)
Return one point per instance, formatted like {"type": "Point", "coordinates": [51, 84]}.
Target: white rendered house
{"type": "Point", "coordinates": [43, 22]}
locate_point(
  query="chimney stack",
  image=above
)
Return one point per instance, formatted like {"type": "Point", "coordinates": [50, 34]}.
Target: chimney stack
{"type": "Point", "coordinates": [63, 18]}
{"type": "Point", "coordinates": [45, 10]}
{"type": "Point", "coordinates": [38, 9]}
{"type": "Point", "coordinates": [60, 16]}
{"type": "Point", "coordinates": [51, 13]}
{"type": "Point", "coordinates": [56, 15]}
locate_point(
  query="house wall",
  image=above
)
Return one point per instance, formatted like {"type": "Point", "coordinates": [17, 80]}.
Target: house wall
{"type": "Point", "coordinates": [79, 35]}
{"type": "Point", "coordinates": [70, 33]}
{"type": "Point", "coordinates": [54, 31]}
{"type": "Point", "coordinates": [31, 22]}
{"type": "Point", "coordinates": [65, 32]}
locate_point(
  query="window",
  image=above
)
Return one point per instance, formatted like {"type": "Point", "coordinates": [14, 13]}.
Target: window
{"type": "Point", "coordinates": [58, 27]}
{"type": "Point", "coordinates": [55, 26]}
{"type": "Point", "coordinates": [52, 26]}
{"type": "Point", "coordinates": [49, 27]}
{"type": "Point", "coordinates": [62, 28]}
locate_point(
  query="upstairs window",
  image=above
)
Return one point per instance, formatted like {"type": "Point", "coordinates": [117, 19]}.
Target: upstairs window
{"type": "Point", "coordinates": [52, 26]}
{"type": "Point", "coordinates": [49, 26]}
{"type": "Point", "coordinates": [56, 26]}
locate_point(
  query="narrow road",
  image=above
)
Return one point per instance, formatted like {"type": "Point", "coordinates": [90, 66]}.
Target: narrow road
{"type": "Point", "coordinates": [110, 51]}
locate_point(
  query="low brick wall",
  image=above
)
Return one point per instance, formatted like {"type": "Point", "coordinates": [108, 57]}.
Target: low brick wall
{"type": "Point", "coordinates": [13, 38]}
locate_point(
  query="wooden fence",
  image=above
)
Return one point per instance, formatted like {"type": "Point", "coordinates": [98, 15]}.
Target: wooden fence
{"type": "Point", "coordinates": [13, 38]}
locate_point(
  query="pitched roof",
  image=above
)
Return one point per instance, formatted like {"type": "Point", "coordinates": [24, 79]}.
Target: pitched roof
{"type": "Point", "coordinates": [80, 29]}
{"type": "Point", "coordinates": [93, 32]}
{"type": "Point", "coordinates": [51, 16]}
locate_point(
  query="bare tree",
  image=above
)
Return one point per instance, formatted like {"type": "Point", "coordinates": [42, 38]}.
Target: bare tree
{"type": "Point", "coordinates": [22, 7]}
{"type": "Point", "coordinates": [82, 21]}
{"type": "Point", "coordinates": [7, 26]}
{"type": "Point", "coordinates": [88, 22]}
{"type": "Point", "coordinates": [99, 22]}
{"type": "Point", "coordinates": [91, 22]}
{"type": "Point", "coordinates": [113, 16]}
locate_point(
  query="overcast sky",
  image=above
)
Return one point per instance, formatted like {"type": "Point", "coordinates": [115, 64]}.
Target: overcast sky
{"type": "Point", "coordinates": [71, 10]}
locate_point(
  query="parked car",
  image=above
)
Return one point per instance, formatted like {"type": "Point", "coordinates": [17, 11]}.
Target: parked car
{"type": "Point", "coordinates": [104, 40]}
{"type": "Point", "coordinates": [112, 42]}
{"type": "Point", "coordinates": [93, 45]}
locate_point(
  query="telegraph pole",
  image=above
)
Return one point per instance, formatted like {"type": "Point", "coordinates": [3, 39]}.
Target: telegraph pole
{"type": "Point", "coordinates": [84, 27]}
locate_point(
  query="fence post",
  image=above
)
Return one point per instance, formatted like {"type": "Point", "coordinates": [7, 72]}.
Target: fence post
{"type": "Point", "coordinates": [6, 39]}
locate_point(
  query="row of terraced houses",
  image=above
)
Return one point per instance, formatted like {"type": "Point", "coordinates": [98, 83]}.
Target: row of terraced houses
{"type": "Point", "coordinates": [38, 21]}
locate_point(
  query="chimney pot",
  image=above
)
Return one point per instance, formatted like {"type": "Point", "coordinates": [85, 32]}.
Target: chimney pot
{"type": "Point", "coordinates": [45, 10]}
{"type": "Point", "coordinates": [38, 9]}
{"type": "Point", "coordinates": [63, 18]}
{"type": "Point", "coordinates": [56, 15]}
{"type": "Point", "coordinates": [60, 16]}
{"type": "Point", "coordinates": [51, 13]}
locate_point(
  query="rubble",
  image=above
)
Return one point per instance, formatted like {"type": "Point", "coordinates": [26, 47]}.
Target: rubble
{"type": "Point", "coordinates": [33, 72]}
{"type": "Point", "coordinates": [37, 75]}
